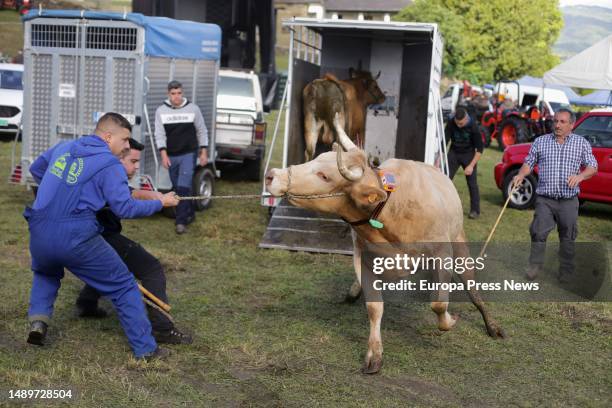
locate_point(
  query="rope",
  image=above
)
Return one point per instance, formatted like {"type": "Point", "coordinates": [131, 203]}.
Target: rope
{"type": "Point", "coordinates": [249, 196]}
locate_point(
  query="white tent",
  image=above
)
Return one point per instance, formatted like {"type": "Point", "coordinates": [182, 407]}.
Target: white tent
{"type": "Point", "coordinates": [592, 68]}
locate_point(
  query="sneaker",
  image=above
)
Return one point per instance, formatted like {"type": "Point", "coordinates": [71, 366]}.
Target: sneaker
{"type": "Point", "coordinates": [181, 229]}
{"type": "Point", "coordinates": [158, 354]}
{"type": "Point", "coordinates": [532, 271]}
{"type": "Point", "coordinates": [38, 332]}
{"type": "Point", "coordinates": [172, 336]}
{"type": "Point", "coordinates": [473, 215]}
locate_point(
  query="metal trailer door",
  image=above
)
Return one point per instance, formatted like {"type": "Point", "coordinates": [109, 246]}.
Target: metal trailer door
{"type": "Point", "coordinates": [435, 146]}
{"type": "Point", "coordinates": [76, 71]}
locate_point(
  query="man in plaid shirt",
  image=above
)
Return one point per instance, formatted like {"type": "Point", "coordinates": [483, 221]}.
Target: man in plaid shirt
{"type": "Point", "coordinates": [559, 156]}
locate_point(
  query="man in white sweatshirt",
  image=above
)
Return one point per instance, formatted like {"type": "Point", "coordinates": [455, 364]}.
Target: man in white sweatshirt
{"type": "Point", "coordinates": [182, 139]}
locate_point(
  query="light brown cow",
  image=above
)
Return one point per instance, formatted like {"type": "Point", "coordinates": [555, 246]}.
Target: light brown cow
{"type": "Point", "coordinates": [350, 98]}
{"type": "Point", "coordinates": [425, 208]}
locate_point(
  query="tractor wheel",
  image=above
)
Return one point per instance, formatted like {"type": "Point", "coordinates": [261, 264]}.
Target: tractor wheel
{"type": "Point", "coordinates": [512, 130]}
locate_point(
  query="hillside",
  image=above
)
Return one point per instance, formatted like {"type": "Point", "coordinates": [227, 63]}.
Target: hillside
{"type": "Point", "coordinates": [584, 26]}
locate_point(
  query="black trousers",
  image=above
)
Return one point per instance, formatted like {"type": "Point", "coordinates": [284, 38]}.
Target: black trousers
{"type": "Point", "coordinates": [463, 159]}
{"type": "Point", "coordinates": [145, 268]}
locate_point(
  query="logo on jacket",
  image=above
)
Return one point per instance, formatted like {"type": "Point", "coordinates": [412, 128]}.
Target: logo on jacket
{"type": "Point", "coordinates": [76, 168]}
{"type": "Point", "coordinates": [59, 165]}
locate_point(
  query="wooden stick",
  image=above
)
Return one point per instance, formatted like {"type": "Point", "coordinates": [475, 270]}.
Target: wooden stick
{"type": "Point", "coordinates": [484, 247]}
{"type": "Point", "coordinates": [154, 298]}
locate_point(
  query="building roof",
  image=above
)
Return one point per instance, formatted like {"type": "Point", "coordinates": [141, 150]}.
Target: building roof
{"type": "Point", "coordinates": [366, 5]}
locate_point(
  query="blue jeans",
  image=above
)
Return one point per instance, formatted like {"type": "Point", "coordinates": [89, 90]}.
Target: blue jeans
{"type": "Point", "coordinates": [181, 175]}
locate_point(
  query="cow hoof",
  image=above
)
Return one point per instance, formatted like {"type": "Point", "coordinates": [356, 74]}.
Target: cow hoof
{"type": "Point", "coordinates": [495, 331]}
{"type": "Point", "coordinates": [371, 367]}
{"type": "Point", "coordinates": [445, 323]}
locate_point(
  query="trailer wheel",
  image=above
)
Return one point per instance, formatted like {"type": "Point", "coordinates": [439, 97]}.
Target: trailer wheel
{"type": "Point", "coordinates": [512, 131]}
{"type": "Point", "coordinates": [203, 185]}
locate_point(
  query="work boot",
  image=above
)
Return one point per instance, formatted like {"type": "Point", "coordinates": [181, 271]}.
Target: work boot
{"type": "Point", "coordinates": [181, 229]}
{"type": "Point", "coordinates": [91, 310]}
{"type": "Point", "coordinates": [172, 336]}
{"type": "Point", "coordinates": [532, 271]}
{"type": "Point", "coordinates": [38, 332]}
{"type": "Point", "coordinates": [158, 354]}
{"type": "Point", "coordinates": [473, 215]}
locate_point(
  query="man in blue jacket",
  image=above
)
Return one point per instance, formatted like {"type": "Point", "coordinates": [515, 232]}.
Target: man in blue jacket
{"type": "Point", "coordinates": [76, 179]}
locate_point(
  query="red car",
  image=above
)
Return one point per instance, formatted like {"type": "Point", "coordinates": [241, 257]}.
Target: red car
{"type": "Point", "coordinates": [596, 127]}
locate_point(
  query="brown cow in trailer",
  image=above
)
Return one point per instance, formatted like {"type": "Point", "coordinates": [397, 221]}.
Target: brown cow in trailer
{"type": "Point", "coordinates": [350, 98]}
{"type": "Point", "coordinates": [425, 209]}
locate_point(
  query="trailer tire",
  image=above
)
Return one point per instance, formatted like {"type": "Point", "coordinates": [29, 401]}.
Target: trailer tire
{"type": "Point", "coordinates": [203, 185]}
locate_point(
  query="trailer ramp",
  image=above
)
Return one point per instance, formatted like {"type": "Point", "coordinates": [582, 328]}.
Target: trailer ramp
{"type": "Point", "coordinates": [297, 229]}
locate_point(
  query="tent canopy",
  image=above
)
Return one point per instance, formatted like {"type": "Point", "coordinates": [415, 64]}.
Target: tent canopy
{"type": "Point", "coordinates": [592, 68]}
{"type": "Point", "coordinates": [597, 98]}
{"type": "Point", "coordinates": [532, 81]}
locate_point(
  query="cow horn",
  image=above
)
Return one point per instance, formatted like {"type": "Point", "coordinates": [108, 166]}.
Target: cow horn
{"type": "Point", "coordinates": [343, 138]}
{"type": "Point", "coordinates": [378, 75]}
{"type": "Point", "coordinates": [350, 175]}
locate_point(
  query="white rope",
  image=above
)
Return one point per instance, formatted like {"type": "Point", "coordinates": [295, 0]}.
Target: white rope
{"type": "Point", "coordinates": [248, 196]}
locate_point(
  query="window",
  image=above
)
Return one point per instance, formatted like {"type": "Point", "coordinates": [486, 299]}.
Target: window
{"type": "Point", "coordinates": [236, 87]}
{"type": "Point", "coordinates": [10, 79]}
{"type": "Point", "coordinates": [597, 130]}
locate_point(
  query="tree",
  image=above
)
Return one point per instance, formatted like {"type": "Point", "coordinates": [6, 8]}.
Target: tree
{"type": "Point", "coordinates": [492, 40]}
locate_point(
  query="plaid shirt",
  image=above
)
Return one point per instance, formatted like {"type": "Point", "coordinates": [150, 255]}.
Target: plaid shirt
{"type": "Point", "coordinates": [557, 162]}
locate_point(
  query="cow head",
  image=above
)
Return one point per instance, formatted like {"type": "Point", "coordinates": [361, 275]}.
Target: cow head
{"type": "Point", "coordinates": [363, 79]}
{"type": "Point", "coordinates": [339, 171]}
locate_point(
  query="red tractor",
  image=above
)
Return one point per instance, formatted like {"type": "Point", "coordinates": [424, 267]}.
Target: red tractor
{"type": "Point", "coordinates": [511, 124]}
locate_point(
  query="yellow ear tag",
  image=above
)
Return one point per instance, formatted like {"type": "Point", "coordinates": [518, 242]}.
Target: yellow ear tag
{"type": "Point", "coordinates": [372, 198]}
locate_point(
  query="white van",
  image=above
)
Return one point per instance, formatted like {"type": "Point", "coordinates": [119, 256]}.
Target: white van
{"type": "Point", "coordinates": [553, 99]}
{"type": "Point", "coordinates": [240, 126]}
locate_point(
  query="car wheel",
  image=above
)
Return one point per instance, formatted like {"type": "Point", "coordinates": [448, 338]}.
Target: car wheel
{"type": "Point", "coordinates": [203, 185]}
{"type": "Point", "coordinates": [524, 197]}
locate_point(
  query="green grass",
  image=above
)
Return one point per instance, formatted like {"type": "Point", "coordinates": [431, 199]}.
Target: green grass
{"type": "Point", "coordinates": [270, 330]}
{"type": "Point", "coordinates": [12, 33]}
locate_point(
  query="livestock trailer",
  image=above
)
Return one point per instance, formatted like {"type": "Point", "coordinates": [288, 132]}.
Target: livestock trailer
{"type": "Point", "coordinates": [80, 64]}
{"type": "Point", "coordinates": [408, 125]}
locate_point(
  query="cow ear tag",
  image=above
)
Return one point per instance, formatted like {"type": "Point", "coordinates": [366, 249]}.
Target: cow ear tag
{"type": "Point", "coordinates": [376, 224]}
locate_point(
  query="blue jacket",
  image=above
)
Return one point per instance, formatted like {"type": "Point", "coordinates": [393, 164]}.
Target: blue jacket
{"type": "Point", "coordinates": [104, 180]}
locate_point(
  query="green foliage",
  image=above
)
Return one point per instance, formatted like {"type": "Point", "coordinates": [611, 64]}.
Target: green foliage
{"type": "Point", "coordinates": [486, 41]}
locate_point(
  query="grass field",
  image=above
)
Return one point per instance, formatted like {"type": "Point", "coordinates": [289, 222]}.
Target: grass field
{"type": "Point", "coordinates": [270, 329]}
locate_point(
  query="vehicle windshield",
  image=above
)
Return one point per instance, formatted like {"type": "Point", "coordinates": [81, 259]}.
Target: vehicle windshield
{"type": "Point", "coordinates": [449, 92]}
{"type": "Point", "coordinates": [597, 130]}
{"type": "Point", "coordinates": [10, 79]}
{"type": "Point", "coordinates": [236, 87]}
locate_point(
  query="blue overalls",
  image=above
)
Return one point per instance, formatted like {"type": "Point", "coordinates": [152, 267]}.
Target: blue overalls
{"type": "Point", "coordinates": [63, 236]}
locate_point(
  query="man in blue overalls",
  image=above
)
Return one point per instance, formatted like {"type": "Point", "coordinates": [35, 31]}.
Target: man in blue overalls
{"type": "Point", "coordinates": [76, 179]}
